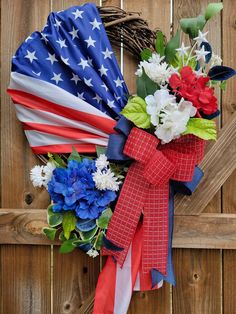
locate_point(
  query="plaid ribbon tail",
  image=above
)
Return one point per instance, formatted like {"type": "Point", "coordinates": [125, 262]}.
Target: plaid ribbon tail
{"type": "Point", "coordinates": [155, 234]}
{"type": "Point", "coordinates": [127, 213]}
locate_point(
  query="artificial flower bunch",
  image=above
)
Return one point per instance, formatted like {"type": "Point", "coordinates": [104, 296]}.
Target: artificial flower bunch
{"type": "Point", "coordinates": [175, 84]}
{"type": "Point", "coordinates": [82, 190]}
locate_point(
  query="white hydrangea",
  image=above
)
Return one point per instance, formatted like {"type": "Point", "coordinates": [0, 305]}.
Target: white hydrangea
{"type": "Point", "coordinates": [102, 162]}
{"type": "Point", "coordinates": [106, 180]}
{"type": "Point", "coordinates": [156, 70]}
{"type": "Point", "coordinates": [169, 117]}
{"type": "Point", "coordinates": [92, 253]}
{"type": "Point", "coordinates": [41, 175]}
{"type": "Point", "coordinates": [215, 60]}
{"type": "Point", "coordinates": [157, 102]}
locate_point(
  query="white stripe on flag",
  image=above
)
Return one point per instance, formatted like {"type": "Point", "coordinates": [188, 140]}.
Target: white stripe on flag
{"type": "Point", "coordinates": [52, 93]}
{"type": "Point", "coordinates": [25, 114]}
{"type": "Point", "coordinates": [137, 283]}
{"type": "Point", "coordinates": [123, 290]}
{"type": "Point", "coordinates": [37, 138]}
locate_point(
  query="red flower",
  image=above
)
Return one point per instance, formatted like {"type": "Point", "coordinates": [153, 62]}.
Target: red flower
{"type": "Point", "coordinates": [193, 88]}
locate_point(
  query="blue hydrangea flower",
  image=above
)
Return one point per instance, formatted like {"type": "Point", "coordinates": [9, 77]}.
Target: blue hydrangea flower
{"type": "Point", "coordinates": [73, 188]}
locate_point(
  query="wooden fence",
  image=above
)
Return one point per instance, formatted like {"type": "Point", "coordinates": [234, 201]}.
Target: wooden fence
{"type": "Point", "coordinates": [34, 277]}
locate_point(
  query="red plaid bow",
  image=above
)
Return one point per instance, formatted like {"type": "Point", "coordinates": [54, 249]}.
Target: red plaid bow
{"type": "Point", "coordinates": [146, 188]}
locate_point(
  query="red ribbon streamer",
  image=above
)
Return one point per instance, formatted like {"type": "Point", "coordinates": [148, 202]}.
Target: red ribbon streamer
{"type": "Point", "coordinates": [146, 189]}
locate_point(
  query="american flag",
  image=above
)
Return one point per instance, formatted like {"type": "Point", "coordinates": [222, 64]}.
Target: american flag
{"type": "Point", "coordinates": [66, 84]}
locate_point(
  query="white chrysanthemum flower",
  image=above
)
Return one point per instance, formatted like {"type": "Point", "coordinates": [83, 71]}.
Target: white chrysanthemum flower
{"type": "Point", "coordinates": [102, 162]}
{"type": "Point", "coordinates": [173, 120]}
{"type": "Point", "coordinates": [92, 253]}
{"type": "Point", "coordinates": [37, 176]}
{"type": "Point", "coordinates": [156, 58]}
{"type": "Point", "coordinates": [215, 60]}
{"type": "Point", "coordinates": [106, 180]}
{"type": "Point", "coordinates": [157, 102]}
{"type": "Point", "coordinates": [158, 73]}
{"type": "Point", "coordinates": [48, 170]}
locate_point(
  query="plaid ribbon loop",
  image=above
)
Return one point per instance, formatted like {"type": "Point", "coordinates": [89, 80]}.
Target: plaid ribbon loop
{"type": "Point", "coordinates": [146, 189]}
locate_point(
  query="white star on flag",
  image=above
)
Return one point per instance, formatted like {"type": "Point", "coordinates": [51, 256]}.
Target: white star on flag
{"type": "Point", "coordinates": [83, 63]}
{"type": "Point", "coordinates": [81, 96]}
{"type": "Point", "coordinates": [78, 13]}
{"type": "Point", "coordinates": [110, 103]}
{"type": "Point", "coordinates": [118, 82]}
{"type": "Point", "coordinates": [57, 24]}
{"type": "Point", "coordinates": [97, 98]}
{"type": "Point", "coordinates": [38, 74]}
{"type": "Point", "coordinates": [88, 82]}
{"type": "Point", "coordinates": [75, 78]}
{"type": "Point", "coordinates": [62, 43]}
{"type": "Point", "coordinates": [104, 86]}
{"type": "Point", "coordinates": [201, 37]}
{"type": "Point", "coordinates": [117, 97]}
{"type": "Point", "coordinates": [28, 38]}
{"type": "Point", "coordinates": [74, 33]}
{"type": "Point", "coordinates": [183, 51]}
{"type": "Point", "coordinates": [44, 37]}
{"type": "Point", "coordinates": [56, 77]}
{"type": "Point", "coordinates": [95, 24]}
{"type": "Point", "coordinates": [90, 61]}
{"type": "Point", "coordinates": [103, 70]}
{"type": "Point", "coordinates": [51, 58]}
{"type": "Point", "coordinates": [201, 54]}
{"type": "Point", "coordinates": [31, 56]}
{"type": "Point", "coordinates": [90, 42]}
{"type": "Point", "coordinates": [107, 53]}
{"type": "Point", "coordinates": [65, 60]}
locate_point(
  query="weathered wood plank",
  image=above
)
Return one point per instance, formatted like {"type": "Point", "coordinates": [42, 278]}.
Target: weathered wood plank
{"type": "Point", "coordinates": [189, 292]}
{"type": "Point", "coordinates": [157, 13]}
{"type": "Point", "coordinates": [218, 164]}
{"type": "Point", "coordinates": [228, 108]}
{"type": "Point", "coordinates": [198, 280]}
{"type": "Point", "coordinates": [211, 230]}
{"type": "Point", "coordinates": [24, 270]}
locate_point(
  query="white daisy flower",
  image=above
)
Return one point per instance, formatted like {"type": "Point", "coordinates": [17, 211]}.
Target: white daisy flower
{"type": "Point", "coordinates": [102, 162]}
{"type": "Point", "coordinates": [106, 180]}
{"type": "Point", "coordinates": [92, 253]}
{"type": "Point", "coordinates": [37, 176]}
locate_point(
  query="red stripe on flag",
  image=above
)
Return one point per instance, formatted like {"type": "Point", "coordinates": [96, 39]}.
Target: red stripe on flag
{"type": "Point", "coordinates": [65, 132]}
{"type": "Point", "coordinates": [64, 148]}
{"type": "Point", "coordinates": [35, 102]}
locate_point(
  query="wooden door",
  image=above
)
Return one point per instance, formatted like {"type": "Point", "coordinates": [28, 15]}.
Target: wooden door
{"type": "Point", "coordinates": [34, 277]}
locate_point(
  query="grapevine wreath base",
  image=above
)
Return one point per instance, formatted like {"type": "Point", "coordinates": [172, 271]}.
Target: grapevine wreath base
{"type": "Point", "coordinates": [114, 161]}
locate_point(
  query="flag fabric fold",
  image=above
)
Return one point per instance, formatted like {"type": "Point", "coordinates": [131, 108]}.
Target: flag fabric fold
{"type": "Point", "coordinates": [66, 83]}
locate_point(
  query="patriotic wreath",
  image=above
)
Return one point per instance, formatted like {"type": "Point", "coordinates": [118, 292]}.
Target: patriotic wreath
{"type": "Point", "coordinates": [71, 98]}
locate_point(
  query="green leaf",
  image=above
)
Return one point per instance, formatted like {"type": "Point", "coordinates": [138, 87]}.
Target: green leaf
{"type": "Point", "coordinates": [68, 246]}
{"type": "Point", "coordinates": [101, 150]}
{"type": "Point", "coordinates": [74, 155]}
{"type": "Point", "coordinates": [103, 220]}
{"type": "Point", "coordinates": [213, 9]}
{"type": "Point", "coordinates": [88, 235]}
{"type": "Point", "coordinates": [203, 128]}
{"type": "Point", "coordinates": [135, 111]}
{"type": "Point", "coordinates": [145, 86]}
{"type": "Point", "coordinates": [99, 241]}
{"type": "Point", "coordinates": [50, 233]}
{"type": "Point", "coordinates": [223, 85]}
{"type": "Point", "coordinates": [160, 43]}
{"type": "Point", "coordinates": [58, 161]}
{"type": "Point", "coordinates": [54, 219]}
{"type": "Point", "coordinates": [62, 237]}
{"type": "Point", "coordinates": [146, 54]}
{"type": "Point", "coordinates": [191, 26]}
{"type": "Point", "coordinates": [68, 223]}
{"type": "Point", "coordinates": [172, 45]}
